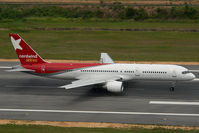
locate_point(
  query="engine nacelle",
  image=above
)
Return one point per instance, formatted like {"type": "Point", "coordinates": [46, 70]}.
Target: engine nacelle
{"type": "Point", "coordinates": [114, 86]}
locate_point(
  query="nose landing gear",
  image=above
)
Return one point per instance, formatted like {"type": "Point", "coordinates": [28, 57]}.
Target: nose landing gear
{"type": "Point", "coordinates": [172, 88]}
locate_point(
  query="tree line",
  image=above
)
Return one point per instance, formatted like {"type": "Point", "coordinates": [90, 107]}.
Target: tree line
{"type": "Point", "coordinates": [116, 11]}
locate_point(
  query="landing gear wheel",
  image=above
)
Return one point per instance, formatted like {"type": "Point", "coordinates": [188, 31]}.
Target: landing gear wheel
{"type": "Point", "coordinates": [95, 89]}
{"type": "Point", "coordinates": [172, 89]}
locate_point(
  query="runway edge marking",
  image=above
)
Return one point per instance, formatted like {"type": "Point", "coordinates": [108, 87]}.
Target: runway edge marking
{"type": "Point", "coordinates": [173, 103]}
{"type": "Point", "coordinates": [98, 112]}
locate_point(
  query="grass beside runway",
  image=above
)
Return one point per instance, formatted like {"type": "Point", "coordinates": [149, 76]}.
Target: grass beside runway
{"type": "Point", "coordinates": [59, 22]}
{"type": "Point", "coordinates": [11, 128]}
{"type": "Point", "coordinates": [81, 44]}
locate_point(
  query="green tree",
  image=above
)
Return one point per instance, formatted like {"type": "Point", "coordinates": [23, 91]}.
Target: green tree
{"type": "Point", "coordinates": [129, 12]}
{"type": "Point", "coordinates": [190, 12]}
{"type": "Point", "coordinates": [141, 14]}
{"type": "Point", "coordinates": [162, 13]}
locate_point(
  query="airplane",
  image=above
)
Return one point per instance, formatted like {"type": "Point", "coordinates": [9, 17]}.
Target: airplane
{"type": "Point", "coordinates": [107, 74]}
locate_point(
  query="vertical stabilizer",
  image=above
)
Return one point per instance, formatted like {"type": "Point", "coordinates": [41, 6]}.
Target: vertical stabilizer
{"type": "Point", "coordinates": [105, 58]}
{"type": "Point", "coordinates": [25, 53]}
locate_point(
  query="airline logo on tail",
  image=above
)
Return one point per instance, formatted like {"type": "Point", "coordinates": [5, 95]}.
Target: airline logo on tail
{"type": "Point", "coordinates": [16, 43]}
{"type": "Point", "coordinates": [26, 54]}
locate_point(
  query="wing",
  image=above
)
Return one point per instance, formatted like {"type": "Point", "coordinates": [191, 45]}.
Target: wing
{"type": "Point", "coordinates": [105, 58]}
{"type": "Point", "coordinates": [89, 81]}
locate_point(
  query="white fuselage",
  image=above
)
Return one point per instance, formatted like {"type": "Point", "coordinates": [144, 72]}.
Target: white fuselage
{"type": "Point", "coordinates": [127, 72]}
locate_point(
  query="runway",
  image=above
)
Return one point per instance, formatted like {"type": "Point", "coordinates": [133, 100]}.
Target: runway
{"type": "Point", "coordinates": [28, 97]}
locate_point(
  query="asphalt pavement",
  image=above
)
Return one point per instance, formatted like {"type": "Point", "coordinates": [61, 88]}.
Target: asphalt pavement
{"type": "Point", "coordinates": [29, 97]}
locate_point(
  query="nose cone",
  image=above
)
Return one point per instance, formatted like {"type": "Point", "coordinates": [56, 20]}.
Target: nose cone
{"type": "Point", "coordinates": [192, 76]}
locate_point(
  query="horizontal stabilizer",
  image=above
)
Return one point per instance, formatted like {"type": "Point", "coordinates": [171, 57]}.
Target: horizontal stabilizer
{"type": "Point", "coordinates": [20, 70]}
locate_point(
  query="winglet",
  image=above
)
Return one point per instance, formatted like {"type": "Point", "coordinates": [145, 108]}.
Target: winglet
{"type": "Point", "coordinates": [105, 58]}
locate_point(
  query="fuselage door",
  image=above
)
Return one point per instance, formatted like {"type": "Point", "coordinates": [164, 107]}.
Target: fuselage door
{"type": "Point", "coordinates": [43, 69]}
{"type": "Point", "coordinates": [174, 74]}
{"type": "Point", "coordinates": [137, 72]}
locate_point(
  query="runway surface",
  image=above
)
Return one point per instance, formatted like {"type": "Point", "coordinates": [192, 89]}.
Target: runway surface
{"type": "Point", "coordinates": [28, 97]}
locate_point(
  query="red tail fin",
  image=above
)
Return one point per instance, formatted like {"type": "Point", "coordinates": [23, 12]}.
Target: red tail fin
{"type": "Point", "coordinates": [26, 54]}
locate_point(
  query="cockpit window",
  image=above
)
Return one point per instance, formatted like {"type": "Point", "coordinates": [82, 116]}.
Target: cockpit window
{"type": "Point", "coordinates": [185, 72]}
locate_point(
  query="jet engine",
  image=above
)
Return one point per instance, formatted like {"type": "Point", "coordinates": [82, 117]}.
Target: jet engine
{"type": "Point", "coordinates": [114, 86]}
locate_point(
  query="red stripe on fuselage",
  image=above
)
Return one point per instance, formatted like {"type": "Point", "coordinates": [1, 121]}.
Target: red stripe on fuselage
{"type": "Point", "coordinates": [57, 67]}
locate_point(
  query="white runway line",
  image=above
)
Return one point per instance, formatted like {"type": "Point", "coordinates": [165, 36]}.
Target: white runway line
{"type": "Point", "coordinates": [97, 112]}
{"type": "Point", "coordinates": [3, 67]}
{"type": "Point", "coordinates": [18, 86]}
{"type": "Point", "coordinates": [196, 79]}
{"type": "Point", "coordinates": [173, 103]}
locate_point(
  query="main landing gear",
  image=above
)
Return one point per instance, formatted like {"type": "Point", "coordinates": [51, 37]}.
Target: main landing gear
{"type": "Point", "coordinates": [172, 88]}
